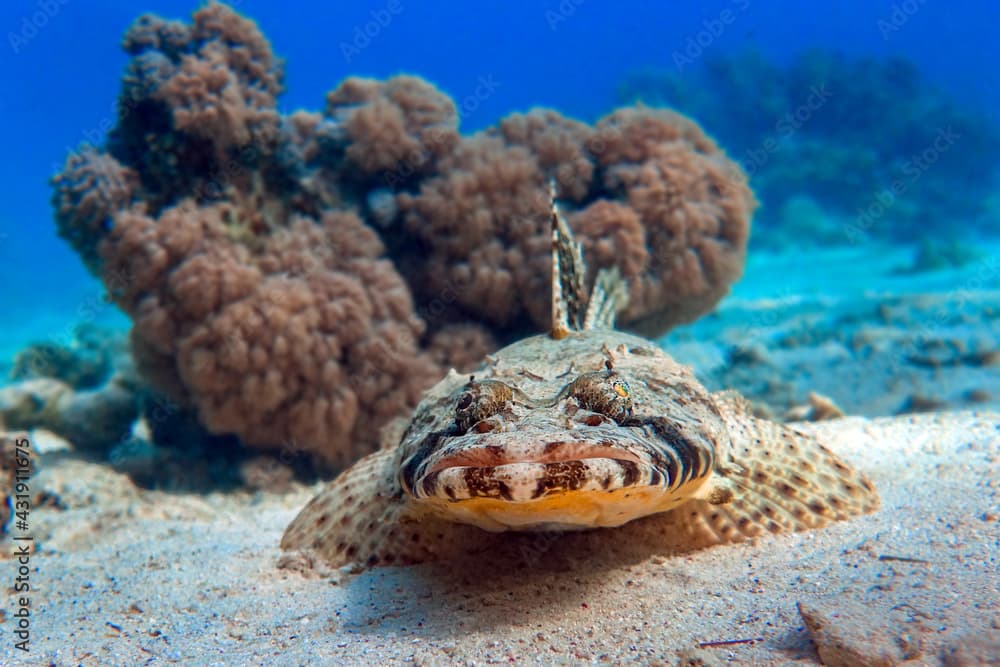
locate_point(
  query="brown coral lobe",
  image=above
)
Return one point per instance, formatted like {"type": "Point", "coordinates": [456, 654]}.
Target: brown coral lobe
{"type": "Point", "coordinates": [300, 279]}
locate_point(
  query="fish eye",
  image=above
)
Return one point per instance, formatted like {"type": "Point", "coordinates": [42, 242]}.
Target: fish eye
{"type": "Point", "coordinates": [465, 401]}
{"type": "Point", "coordinates": [621, 388]}
{"type": "Point", "coordinates": [603, 392]}
{"type": "Point", "coordinates": [481, 400]}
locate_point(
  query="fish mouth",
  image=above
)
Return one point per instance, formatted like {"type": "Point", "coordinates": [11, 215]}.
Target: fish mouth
{"type": "Point", "coordinates": [535, 479]}
{"type": "Point", "coordinates": [560, 451]}
{"type": "Point", "coordinates": [518, 469]}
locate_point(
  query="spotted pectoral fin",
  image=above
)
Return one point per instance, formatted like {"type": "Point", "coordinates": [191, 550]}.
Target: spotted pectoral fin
{"type": "Point", "coordinates": [363, 517]}
{"type": "Point", "coordinates": [774, 479]}
{"type": "Point", "coordinates": [732, 402]}
{"type": "Point", "coordinates": [785, 480]}
{"type": "Point", "coordinates": [392, 432]}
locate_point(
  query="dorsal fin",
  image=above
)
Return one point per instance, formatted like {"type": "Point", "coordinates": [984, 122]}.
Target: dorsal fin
{"type": "Point", "coordinates": [570, 309]}
{"type": "Point", "coordinates": [569, 300]}
{"type": "Point", "coordinates": [609, 297]}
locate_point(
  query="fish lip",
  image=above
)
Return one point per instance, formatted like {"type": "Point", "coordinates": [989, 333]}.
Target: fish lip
{"type": "Point", "coordinates": [557, 451]}
{"type": "Point", "coordinates": [443, 484]}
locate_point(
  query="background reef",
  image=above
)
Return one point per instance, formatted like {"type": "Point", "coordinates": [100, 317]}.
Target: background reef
{"type": "Point", "coordinates": [869, 140]}
{"type": "Point", "coordinates": [301, 278]}
{"type": "Point", "coordinates": [63, 65]}
{"type": "Point", "coordinates": [215, 277]}
{"type": "Point", "coordinates": [294, 270]}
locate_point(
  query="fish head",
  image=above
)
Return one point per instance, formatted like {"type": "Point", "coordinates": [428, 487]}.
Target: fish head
{"type": "Point", "coordinates": [588, 443]}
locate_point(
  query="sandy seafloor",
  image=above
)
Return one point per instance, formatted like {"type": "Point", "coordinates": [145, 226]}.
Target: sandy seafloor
{"type": "Point", "coordinates": [131, 576]}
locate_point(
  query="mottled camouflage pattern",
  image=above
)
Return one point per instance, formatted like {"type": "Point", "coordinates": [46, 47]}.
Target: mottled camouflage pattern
{"type": "Point", "coordinates": [579, 429]}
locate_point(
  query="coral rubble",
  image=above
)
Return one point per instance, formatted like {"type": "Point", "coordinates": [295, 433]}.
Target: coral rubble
{"type": "Point", "coordinates": [86, 392]}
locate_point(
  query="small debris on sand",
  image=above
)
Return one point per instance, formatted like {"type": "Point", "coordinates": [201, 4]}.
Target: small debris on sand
{"type": "Point", "coordinates": [818, 408]}
{"type": "Point", "coordinates": [848, 634]}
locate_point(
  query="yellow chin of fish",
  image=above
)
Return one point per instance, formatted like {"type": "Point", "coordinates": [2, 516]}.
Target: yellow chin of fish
{"type": "Point", "coordinates": [566, 510]}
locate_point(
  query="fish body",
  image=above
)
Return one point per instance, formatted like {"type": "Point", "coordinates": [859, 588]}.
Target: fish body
{"type": "Point", "coordinates": [553, 453]}
{"type": "Point", "coordinates": [586, 427]}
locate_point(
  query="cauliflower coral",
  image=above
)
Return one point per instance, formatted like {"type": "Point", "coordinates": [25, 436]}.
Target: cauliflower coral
{"type": "Point", "coordinates": [300, 279]}
{"type": "Point", "coordinates": [647, 191]}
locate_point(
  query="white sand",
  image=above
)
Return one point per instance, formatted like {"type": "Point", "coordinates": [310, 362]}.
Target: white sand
{"type": "Point", "coordinates": [135, 577]}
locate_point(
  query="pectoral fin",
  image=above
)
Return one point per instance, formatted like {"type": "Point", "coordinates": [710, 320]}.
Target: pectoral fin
{"type": "Point", "coordinates": [363, 517]}
{"type": "Point", "coordinates": [775, 479]}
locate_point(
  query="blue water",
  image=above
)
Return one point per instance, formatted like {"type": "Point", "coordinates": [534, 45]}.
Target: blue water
{"type": "Point", "coordinates": [61, 66]}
